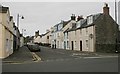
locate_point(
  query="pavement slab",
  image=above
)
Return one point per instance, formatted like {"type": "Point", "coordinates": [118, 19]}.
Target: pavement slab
{"type": "Point", "coordinates": [20, 56]}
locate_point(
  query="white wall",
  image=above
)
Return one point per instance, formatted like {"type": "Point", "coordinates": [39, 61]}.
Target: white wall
{"type": "Point", "coordinates": [7, 36]}
{"type": "Point", "coordinates": [82, 35]}
{"type": "Point", "coordinates": [37, 39]}
{"type": "Point", "coordinates": [1, 41]}
{"type": "Point", "coordinates": [21, 41]}
{"type": "Point", "coordinates": [86, 46]}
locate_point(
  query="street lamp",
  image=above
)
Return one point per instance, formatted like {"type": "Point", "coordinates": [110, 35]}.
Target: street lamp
{"type": "Point", "coordinates": [18, 16]}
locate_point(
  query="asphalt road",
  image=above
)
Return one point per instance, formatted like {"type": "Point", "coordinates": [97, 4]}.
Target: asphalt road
{"type": "Point", "coordinates": [54, 60]}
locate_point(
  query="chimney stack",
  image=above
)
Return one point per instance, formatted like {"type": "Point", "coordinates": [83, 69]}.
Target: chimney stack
{"type": "Point", "coordinates": [73, 17]}
{"type": "Point", "coordinates": [106, 9]}
{"type": "Point", "coordinates": [79, 18]}
{"type": "Point", "coordinates": [37, 33]}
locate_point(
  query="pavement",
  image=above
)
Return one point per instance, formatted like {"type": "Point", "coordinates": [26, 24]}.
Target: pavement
{"type": "Point", "coordinates": [23, 55]}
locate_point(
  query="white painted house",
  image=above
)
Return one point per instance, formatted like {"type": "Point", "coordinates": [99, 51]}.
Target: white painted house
{"type": "Point", "coordinates": [6, 32]}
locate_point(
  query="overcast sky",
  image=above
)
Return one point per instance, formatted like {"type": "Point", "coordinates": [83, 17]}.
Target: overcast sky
{"type": "Point", "coordinates": [43, 15]}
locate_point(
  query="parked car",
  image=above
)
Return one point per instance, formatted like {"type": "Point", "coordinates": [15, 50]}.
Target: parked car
{"type": "Point", "coordinates": [34, 47]}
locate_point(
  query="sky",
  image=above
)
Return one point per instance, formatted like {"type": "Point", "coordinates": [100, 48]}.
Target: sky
{"type": "Point", "coordinates": [44, 15]}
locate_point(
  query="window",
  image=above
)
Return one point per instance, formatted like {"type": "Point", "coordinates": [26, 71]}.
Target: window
{"type": "Point", "coordinates": [80, 31]}
{"type": "Point", "coordinates": [90, 20]}
{"type": "Point", "coordinates": [86, 43]}
{"type": "Point", "coordinates": [86, 30]}
{"type": "Point", "coordinates": [58, 44]}
{"type": "Point", "coordinates": [67, 35]}
{"type": "Point", "coordinates": [47, 37]}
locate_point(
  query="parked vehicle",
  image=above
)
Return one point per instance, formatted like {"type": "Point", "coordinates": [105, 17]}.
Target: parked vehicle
{"type": "Point", "coordinates": [34, 47]}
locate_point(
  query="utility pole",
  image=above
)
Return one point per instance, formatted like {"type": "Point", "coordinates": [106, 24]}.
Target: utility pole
{"type": "Point", "coordinates": [115, 11]}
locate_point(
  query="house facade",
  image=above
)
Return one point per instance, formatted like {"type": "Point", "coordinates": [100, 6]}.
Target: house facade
{"type": "Point", "coordinates": [57, 40]}
{"type": "Point", "coordinates": [37, 37]}
{"type": "Point", "coordinates": [44, 39]}
{"type": "Point", "coordinates": [71, 23]}
{"type": "Point", "coordinates": [97, 34]}
{"type": "Point", "coordinates": [21, 40]}
{"type": "Point", "coordinates": [6, 33]}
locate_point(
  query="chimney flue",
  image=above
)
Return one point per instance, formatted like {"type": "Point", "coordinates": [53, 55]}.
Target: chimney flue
{"type": "Point", "coordinates": [73, 17]}
{"type": "Point", "coordinates": [106, 9]}
{"type": "Point", "coordinates": [37, 33]}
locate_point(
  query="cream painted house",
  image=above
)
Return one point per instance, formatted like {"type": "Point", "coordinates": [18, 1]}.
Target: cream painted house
{"type": "Point", "coordinates": [6, 33]}
{"type": "Point", "coordinates": [69, 25]}
{"type": "Point", "coordinates": [37, 37]}
{"type": "Point", "coordinates": [45, 38]}
{"type": "Point", "coordinates": [57, 40]}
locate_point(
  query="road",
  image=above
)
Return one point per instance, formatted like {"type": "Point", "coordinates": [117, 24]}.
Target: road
{"type": "Point", "coordinates": [58, 60]}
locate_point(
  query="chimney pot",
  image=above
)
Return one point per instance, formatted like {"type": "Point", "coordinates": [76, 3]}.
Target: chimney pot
{"type": "Point", "coordinates": [106, 9]}
{"type": "Point", "coordinates": [73, 17]}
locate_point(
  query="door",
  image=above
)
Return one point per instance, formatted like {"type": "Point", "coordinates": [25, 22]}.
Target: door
{"type": "Point", "coordinates": [64, 45]}
{"type": "Point", "coordinates": [72, 45]}
{"type": "Point", "coordinates": [80, 45]}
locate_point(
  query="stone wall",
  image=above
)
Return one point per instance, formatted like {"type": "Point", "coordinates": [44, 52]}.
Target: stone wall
{"type": "Point", "coordinates": [106, 31]}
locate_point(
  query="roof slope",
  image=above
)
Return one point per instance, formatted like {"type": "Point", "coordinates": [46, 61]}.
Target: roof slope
{"type": "Point", "coordinates": [3, 9]}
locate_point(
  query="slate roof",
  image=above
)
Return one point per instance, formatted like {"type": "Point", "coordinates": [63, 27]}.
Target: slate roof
{"type": "Point", "coordinates": [44, 34]}
{"type": "Point", "coordinates": [3, 9]}
{"type": "Point", "coordinates": [64, 24]}
{"type": "Point", "coordinates": [84, 24]}
{"type": "Point", "coordinates": [66, 30]}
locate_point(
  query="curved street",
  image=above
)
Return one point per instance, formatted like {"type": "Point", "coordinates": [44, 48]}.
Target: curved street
{"type": "Point", "coordinates": [60, 60]}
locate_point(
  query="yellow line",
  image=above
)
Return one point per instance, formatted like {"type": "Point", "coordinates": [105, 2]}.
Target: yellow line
{"type": "Point", "coordinates": [36, 57]}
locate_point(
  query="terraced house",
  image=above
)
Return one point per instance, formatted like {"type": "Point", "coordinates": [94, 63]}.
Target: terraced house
{"type": "Point", "coordinates": [57, 35]}
{"type": "Point", "coordinates": [96, 33]}
{"type": "Point", "coordinates": [9, 33]}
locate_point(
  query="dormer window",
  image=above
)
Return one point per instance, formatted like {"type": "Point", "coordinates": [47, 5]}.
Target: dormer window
{"type": "Point", "coordinates": [90, 19]}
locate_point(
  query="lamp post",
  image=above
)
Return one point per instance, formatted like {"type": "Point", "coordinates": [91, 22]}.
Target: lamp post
{"type": "Point", "coordinates": [18, 16]}
{"type": "Point", "coordinates": [116, 11]}
{"type": "Point", "coordinates": [17, 33]}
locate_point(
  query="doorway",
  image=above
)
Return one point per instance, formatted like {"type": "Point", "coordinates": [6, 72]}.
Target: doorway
{"type": "Point", "coordinates": [72, 45]}
{"type": "Point", "coordinates": [80, 45]}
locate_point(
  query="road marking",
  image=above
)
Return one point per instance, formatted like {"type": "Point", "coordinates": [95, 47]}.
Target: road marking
{"type": "Point", "coordinates": [36, 58]}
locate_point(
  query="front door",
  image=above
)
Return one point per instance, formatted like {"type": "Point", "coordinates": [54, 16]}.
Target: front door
{"type": "Point", "coordinates": [72, 45]}
{"type": "Point", "coordinates": [80, 45]}
{"type": "Point", "coordinates": [64, 45]}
